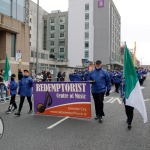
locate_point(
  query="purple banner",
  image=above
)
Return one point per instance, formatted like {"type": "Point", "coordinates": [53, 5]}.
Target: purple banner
{"type": "Point", "coordinates": [100, 3]}
{"type": "Point", "coordinates": [62, 98]}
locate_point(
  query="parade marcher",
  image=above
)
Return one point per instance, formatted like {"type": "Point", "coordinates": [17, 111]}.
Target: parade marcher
{"type": "Point", "coordinates": [25, 90]}
{"type": "Point", "coordinates": [63, 76]}
{"type": "Point", "coordinates": [49, 77]}
{"type": "Point", "coordinates": [99, 88]}
{"type": "Point", "coordinates": [59, 76]}
{"type": "Point", "coordinates": [117, 79]}
{"type": "Point", "coordinates": [20, 74]}
{"type": "Point", "coordinates": [128, 109]}
{"type": "Point", "coordinates": [13, 91]}
{"type": "Point", "coordinates": [140, 74]}
{"type": "Point", "coordinates": [3, 86]}
{"type": "Point", "coordinates": [86, 74]}
{"type": "Point", "coordinates": [44, 76]}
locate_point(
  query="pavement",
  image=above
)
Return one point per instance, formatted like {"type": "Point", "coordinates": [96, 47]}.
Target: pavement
{"type": "Point", "coordinates": [29, 132]}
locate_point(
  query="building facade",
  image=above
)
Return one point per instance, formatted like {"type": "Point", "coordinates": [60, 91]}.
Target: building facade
{"type": "Point", "coordinates": [52, 43]}
{"type": "Point", "coordinates": [56, 36]}
{"type": "Point", "coordinates": [94, 32]}
{"type": "Point", "coordinates": [14, 34]}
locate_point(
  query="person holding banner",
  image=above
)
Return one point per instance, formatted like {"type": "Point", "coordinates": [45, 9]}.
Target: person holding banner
{"type": "Point", "coordinates": [25, 90]}
{"type": "Point", "coordinates": [100, 87]}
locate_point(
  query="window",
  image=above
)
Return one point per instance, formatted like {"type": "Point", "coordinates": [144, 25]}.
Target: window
{"type": "Point", "coordinates": [42, 56]}
{"type": "Point", "coordinates": [86, 54]}
{"type": "Point", "coordinates": [62, 27]}
{"type": "Point", "coordinates": [52, 20]}
{"type": "Point", "coordinates": [62, 19]}
{"type": "Point", "coordinates": [86, 35]}
{"type": "Point", "coordinates": [30, 20]}
{"type": "Point", "coordinates": [30, 27]}
{"type": "Point", "coordinates": [86, 7]}
{"type": "Point", "coordinates": [52, 36]}
{"type": "Point", "coordinates": [52, 28]}
{"type": "Point", "coordinates": [45, 22]}
{"type": "Point", "coordinates": [5, 7]}
{"type": "Point", "coordinates": [62, 42]}
{"type": "Point", "coordinates": [30, 35]}
{"type": "Point", "coordinates": [44, 34]}
{"type": "Point", "coordinates": [13, 45]}
{"type": "Point", "coordinates": [52, 43]}
{"type": "Point", "coordinates": [32, 54]}
{"type": "Point", "coordinates": [87, 26]}
{"type": "Point", "coordinates": [86, 44]}
{"type": "Point", "coordinates": [62, 50]}
{"type": "Point", "coordinates": [52, 50]}
{"type": "Point", "coordinates": [62, 34]}
{"type": "Point", "coordinates": [61, 56]}
{"type": "Point", "coordinates": [51, 56]}
{"type": "Point", "coordinates": [30, 43]}
{"type": "Point", "coordinates": [87, 16]}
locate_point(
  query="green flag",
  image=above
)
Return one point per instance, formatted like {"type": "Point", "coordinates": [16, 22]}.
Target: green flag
{"type": "Point", "coordinates": [7, 73]}
{"type": "Point", "coordinates": [133, 93]}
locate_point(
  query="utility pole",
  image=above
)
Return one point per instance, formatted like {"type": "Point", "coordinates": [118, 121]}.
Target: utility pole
{"type": "Point", "coordinates": [37, 38]}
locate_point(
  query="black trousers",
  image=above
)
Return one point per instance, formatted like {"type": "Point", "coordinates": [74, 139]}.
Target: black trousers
{"type": "Point", "coordinates": [99, 105]}
{"type": "Point", "coordinates": [117, 85]}
{"type": "Point", "coordinates": [141, 81]}
{"type": "Point", "coordinates": [129, 113]}
{"type": "Point", "coordinates": [22, 101]}
{"type": "Point", "coordinates": [12, 102]}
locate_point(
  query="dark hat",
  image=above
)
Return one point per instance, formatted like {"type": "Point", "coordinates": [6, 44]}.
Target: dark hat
{"type": "Point", "coordinates": [26, 70]}
{"type": "Point", "coordinates": [13, 75]}
{"type": "Point", "coordinates": [98, 62]}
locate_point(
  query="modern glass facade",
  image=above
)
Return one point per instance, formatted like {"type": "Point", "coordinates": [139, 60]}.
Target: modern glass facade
{"type": "Point", "coordinates": [13, 8]}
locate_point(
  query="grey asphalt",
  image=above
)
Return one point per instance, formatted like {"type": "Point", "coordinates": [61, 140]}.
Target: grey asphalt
{"type": "Point", "coordinates": [29, 132]}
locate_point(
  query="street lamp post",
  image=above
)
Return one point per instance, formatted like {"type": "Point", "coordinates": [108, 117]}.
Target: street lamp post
{"type": "Point", "coordinates": [37, 38]}
{"type": "Point", "coordinates": [141, 61]}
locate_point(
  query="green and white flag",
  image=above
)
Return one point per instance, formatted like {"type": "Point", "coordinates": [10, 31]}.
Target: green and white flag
{"type": "Point", "coordinates": [133, 93]}
{"type": "Point", "coordinates": [7, 73]}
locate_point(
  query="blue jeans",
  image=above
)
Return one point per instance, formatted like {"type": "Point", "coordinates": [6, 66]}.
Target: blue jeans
{"type": "Point", "coordinates": [3, 87]}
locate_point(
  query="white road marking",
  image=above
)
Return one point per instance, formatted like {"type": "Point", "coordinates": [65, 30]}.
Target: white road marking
{"type": "Point", "coordinates": [142, 87]}
{"type": "Point", "coordinates": [109, 100]}
{"type": "Point", "coordinates": [116, 99]}
{"type": "Point", "coordinates": [146, 100]}
{"type": "Point", "coordinates": [57, 123]}
{"type": "Point", "coordinates": [111, 91]}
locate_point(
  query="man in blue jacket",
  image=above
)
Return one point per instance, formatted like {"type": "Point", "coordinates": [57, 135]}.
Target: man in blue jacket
{"type": "Point", "coordinates": [117, 79]}
{"type": "Point", "coordinates": [100, 86]}
{"type": "Point", "coordinates": [25, 90]}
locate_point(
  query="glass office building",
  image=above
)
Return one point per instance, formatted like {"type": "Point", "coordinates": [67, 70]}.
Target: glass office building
{"type": "Point", "coordinates": [13, 8]}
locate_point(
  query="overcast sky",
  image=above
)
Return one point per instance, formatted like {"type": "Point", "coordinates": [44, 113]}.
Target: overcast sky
{"type": "Point", "coordinates": [135, 22]}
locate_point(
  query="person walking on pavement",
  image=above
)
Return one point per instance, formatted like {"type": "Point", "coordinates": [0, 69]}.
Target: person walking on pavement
{"type": "Point", "coordinates": [13, 91]}
{"type": "Point", "coordinates": [25, 90]}
{"type": "Point", "coordinates": [3, 86]}
{"type": "Point", "coordinates": [128, 109]}
{"type": "Point", "coordinates": [117, 79]}
{"type": "Point", "coordinates": [99, 88]}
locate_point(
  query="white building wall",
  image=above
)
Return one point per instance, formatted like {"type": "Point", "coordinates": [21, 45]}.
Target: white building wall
{"type": "Point", "coordinates": [76, 31]}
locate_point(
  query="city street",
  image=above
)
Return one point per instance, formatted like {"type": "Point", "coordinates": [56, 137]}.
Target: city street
{"type": "Point", "coordinates": [29, 132]}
